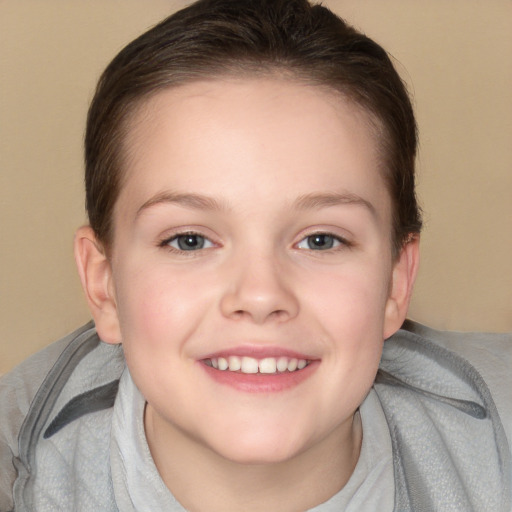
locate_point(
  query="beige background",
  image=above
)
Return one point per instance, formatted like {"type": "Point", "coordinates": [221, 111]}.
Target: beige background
{"type": "Point", "coordinates": [455, 55]}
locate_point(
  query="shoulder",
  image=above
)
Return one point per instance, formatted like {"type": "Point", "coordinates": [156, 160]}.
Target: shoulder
{"type": "Point", "coordinates": [489, 353]}
{"type": "Point", "coordinates": [18, 387]}
{"type": "Point", "coordinates": [18, 390]}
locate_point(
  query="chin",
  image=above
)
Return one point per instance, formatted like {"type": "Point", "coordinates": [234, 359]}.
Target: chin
{"type": "Point", "coordinates": [257, 457]}
{"type": "Point", "coordinates": [257, 450]}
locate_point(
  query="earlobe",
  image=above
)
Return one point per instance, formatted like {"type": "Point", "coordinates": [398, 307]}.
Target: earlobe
{"type": "Point", "coordinates": [403, 277]}
{"type": "Point", "coordinates": [96, 277]}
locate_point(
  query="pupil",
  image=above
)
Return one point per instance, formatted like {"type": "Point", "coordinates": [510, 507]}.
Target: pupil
{"type": "Point", "coordinates": [321, 242]}
{"type": "Point", "coordinates": [190, 242]}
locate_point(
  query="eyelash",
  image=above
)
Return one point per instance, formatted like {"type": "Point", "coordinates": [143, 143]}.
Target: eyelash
{"type": "Point", "coordinates": [334, 242]}
{"type": "Point", "coordinates": [166, 243]}
{"type": "Point", "coordinates": [338, 242]}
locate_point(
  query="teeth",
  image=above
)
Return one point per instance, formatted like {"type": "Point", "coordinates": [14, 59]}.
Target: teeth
{"type": "Point", "coordinates": [282, 364]}
{"type": "Point", "coordinates": [292, 365]}
{"type": "Point", "coordinates": [268, 365]}
{"type": "Point", "coordinates": [234, 363]}
{"type": "Point", "coordinates": [249, 365]}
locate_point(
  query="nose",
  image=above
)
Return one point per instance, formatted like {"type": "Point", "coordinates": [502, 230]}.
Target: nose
{"type": "Point", "coordinates": [257, 289]}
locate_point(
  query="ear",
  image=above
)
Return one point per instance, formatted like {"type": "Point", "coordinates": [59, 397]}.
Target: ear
{"type": "Point", "coordinates": [96, 277]}
{"type": "Point", "coordinates": [402, 282]}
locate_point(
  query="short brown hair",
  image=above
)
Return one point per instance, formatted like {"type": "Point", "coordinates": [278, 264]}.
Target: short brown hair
{"type": "Point", "coordinates": [217, 37]}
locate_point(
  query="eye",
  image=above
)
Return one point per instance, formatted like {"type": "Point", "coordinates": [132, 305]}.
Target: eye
{"type": "Point", "coordinates": [320, 242]}
{"type": "Point", "coordinates": [188, 242]}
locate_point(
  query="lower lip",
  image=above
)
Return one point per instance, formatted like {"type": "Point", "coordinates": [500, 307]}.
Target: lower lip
{"type": "Point", "coordinates": [260, 382]}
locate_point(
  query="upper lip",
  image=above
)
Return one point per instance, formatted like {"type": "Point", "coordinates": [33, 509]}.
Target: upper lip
{"type": "Point", "coordinates": [259, 352]}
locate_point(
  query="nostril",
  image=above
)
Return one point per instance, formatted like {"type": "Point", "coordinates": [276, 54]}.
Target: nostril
{"type": "Point", "coordinates": [279, 314]}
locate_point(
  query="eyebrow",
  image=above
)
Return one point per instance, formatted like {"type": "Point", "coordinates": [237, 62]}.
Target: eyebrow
{"type": "Point", "coordinates": [313, 201]}
{"type": "Point", "coordinates": [194, 201]}
{"type": "Point", "coordinates": [316, 201]}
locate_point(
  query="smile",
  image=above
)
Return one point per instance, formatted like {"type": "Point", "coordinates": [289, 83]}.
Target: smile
{"type": "Point", "coordinates": [251, 365]}
{"type": "Point", "coordinates": [259, 369]}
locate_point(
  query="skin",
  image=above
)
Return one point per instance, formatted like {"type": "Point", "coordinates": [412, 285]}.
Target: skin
{"type": "Point", "coordinates": [274, 162]}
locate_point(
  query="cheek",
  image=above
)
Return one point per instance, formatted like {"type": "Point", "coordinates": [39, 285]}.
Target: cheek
{"type": "Point", "coordinates": [348, 309]}
{"type": "Point", "coordinates": [351, 300]}
{"type": "Point", "coordinates": [348, 312]}
{"type": "Point", "coordinates": [157, 307]}
{"type": "Point", "coordinates": [158, 315]}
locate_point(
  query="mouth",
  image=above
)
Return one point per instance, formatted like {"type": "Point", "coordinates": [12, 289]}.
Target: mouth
{"type": "Point", "coordinates": [264, 374]}
{"type": "Point", "coordinates": [250, 365]}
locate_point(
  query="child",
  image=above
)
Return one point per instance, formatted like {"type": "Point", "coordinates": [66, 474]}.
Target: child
{"type": "Point", "coordinates": [253, 241]}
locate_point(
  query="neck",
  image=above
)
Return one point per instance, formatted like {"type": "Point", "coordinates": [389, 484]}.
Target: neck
{"type": "Point", "coordinates": [202, 480]}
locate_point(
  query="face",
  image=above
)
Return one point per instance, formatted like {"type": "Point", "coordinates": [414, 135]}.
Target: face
{"type": "Point", "coordinates": [251, 265]}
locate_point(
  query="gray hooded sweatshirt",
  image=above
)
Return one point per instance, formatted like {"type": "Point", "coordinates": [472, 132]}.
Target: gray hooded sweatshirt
{"type": "Point", "coordinates": [448, 422]}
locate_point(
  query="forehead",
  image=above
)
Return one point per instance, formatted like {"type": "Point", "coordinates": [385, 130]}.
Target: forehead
{"type": "Point", "coordinates": [218, 136]}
